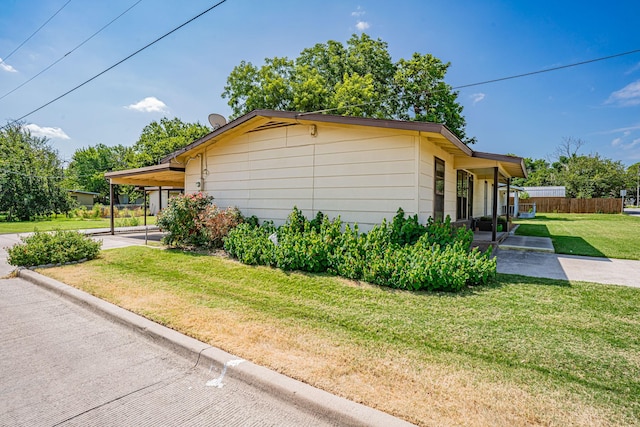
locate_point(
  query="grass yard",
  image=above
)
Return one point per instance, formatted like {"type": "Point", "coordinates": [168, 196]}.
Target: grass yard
{"type": "Point", "coordinates": [522, 352]}
{"type": "Point", "coordinates": [599, 235]}
{"type": "Point", "coordinates": [63, 223]}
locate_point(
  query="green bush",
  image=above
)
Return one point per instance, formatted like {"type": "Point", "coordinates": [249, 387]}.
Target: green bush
{"type": "Point", "coordinates": [53, 248]}
{"type": "Point", "coordinates": [402, 254]}
{"type": "Point", "coordinates": [250, 244]}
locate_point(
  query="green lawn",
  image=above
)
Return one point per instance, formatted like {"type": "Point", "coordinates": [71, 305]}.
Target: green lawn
{"type": "Point", "coordinates": [524, 351]}
{"type": "Point", "coordinates": [63, 223]}
{"type": "Point", "coordinates": [599, 235]}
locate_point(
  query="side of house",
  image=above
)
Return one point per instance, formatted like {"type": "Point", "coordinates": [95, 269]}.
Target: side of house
{"type": "Point", "coordinates": [360, 169]}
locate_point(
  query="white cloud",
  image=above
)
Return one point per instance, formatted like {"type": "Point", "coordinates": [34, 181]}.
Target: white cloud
{"type": "Point", "coordinates": [150, 104]}
{"type": "Point", "coordinates": [362, 25]}
{"type": "Point", "coordinates": [47, 132]}
{"type": "Point", "coordinates": [477, 97]}
{"type": "Point", "coordinates": [358, 12]}
{"type": "Point", "coordinates": [6, 67]}
{"type": "Point", "coordinates": [627, 96]}
{"type": "Point", "coordinates": [616, 142]}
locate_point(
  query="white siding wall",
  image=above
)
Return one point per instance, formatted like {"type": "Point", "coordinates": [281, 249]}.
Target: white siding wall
{"type": "Point", "coordinates": [360, 174]}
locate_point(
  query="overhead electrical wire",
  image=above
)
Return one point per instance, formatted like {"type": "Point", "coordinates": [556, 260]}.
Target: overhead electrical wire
{"type": "Point", "coordinates": [115, 65]}
{"type": "Point", "coordinates": [547, 70]}
{"type": "Point", "coordinates": [500, 79]}
{"type": "Point", "coordinates": [3, 59]}
{"type": "Point", "coordinates": [71, 51]}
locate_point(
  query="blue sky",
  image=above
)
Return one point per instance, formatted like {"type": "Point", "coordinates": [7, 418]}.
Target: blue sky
{"type": "Point", "coordinates": [184, 75]}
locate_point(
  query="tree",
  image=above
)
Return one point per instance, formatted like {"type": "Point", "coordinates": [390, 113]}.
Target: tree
{"type": "Point", "coordinates": [584, 176]}
{"type": "Point", "coordinates": [358, 79]}
{"type": "Point", "coordinates": [161, 139]}
{"type": "Point", "coordinates": [30, 175]}
{"type": "Point", "coordinates": [88, 166]}
{"type": "Point", "coordinates": [591, 176]}
{"type": "Point", "coordinates": [633, 183]}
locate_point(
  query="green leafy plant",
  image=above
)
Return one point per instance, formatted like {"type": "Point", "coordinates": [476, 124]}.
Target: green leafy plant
{"type": "Point", "coordinates": [58, 247]}
{"type": "Point", "coordinates": [402, 254]}
{"type": "Point", "coordinates": [193, 221]}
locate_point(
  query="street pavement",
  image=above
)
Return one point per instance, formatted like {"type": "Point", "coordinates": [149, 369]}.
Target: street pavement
{"type": "Point", "coordinates": [61, 364]}
{"type": "Point", "coordinates": [68, 358]}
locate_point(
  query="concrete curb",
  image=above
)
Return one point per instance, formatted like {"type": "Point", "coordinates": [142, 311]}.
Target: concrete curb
{"type": "Point", "coordinates": [335, 409]}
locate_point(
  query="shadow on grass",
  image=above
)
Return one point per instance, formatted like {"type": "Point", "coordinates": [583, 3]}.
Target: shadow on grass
{"type": "Point", "coordinates": [516, 279]}
{"type": "Point", "coordinates": [543, 217]}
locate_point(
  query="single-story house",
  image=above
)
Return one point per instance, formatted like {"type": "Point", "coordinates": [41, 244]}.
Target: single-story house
{"type": "Point", "coordinates": [363, 169]}
{"type": "Point", "coordinates": [83, 198]}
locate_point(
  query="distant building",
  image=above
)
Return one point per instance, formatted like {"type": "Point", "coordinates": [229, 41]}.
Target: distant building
{"type": "Point", "coordinates": [551, 191]}
{"type": "Point", "coordinates": [83, 198]}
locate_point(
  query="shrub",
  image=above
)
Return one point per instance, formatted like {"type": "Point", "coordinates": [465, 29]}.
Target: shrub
{"type": "Point", "coordinates": [53, 248]}
{"type": "Point", "coordinates": [214, 224]}
{"type": "Point", "coordinates": [250, 244]}
{"type": "Point", "coordinates": [192, 220]}
{"type": "Point", "coordinates": [402, 254]}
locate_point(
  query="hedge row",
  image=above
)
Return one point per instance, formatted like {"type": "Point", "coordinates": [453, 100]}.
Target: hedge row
{"type": "Point", "coordinates": [402, 254]}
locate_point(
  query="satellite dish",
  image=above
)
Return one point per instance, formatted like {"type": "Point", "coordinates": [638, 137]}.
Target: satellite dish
{"type": "Point", "coordinates": [216, 120]}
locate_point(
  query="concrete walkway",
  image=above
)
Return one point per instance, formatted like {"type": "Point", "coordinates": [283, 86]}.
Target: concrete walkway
{"type": "Point", "coordinates": [535, 257]}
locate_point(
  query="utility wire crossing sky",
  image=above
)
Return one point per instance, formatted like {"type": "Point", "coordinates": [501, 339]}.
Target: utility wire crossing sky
{"type": "Point", "coordinates": [592, 94]}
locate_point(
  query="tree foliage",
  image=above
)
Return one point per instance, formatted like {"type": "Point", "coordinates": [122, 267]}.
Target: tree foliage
{"type": "Point", "coordinates": [356, 79]}
{"type": "Point", "coordinates": [159, 139]}
{"type": "Point", "coordinates": [30, 174]}
{"type": "Point", "coordinates": [584, 176]}
{"type": "Point", "coordinates": [88, 166]}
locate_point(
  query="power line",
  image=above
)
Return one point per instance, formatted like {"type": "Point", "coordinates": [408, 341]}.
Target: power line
{"type": "Point", "coordinates": [34, 33]}
{"type": "Point", "coordinates": [547, 70]}
{"type": "Point", "coordinates": [71, 51]}
{"type": "Point", "coordinates": [115, 65]}
{"type": "Point", "coordinates": [516, 76]}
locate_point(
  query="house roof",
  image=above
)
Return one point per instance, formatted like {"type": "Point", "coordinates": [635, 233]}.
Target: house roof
{"type": "Point", "coordinates": [89, 193]}
{"type": "Point", "coordinates": [162, 175]}
{"type": "Point", "coordinates": [440, 135]}
{"type": "Point", "coordinates": [170, 171]}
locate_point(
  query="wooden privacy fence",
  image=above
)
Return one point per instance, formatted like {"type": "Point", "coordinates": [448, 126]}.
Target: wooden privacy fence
{"type": "Point", "coordinates": [564, 205]}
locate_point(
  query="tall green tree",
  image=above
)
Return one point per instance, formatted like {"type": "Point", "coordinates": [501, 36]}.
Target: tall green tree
{"type": "Point", "coordinates": [30, 175]}
{"type": "Point", "coordinates": [88, 166]}
{"type": "Point", "coordinates": [356, 79]}
{"type": "Point", "coordinates": [159, 139]}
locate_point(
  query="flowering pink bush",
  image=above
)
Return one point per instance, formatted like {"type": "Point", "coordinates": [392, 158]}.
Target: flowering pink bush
{"type": "Point", "coordinates": [192, 220]}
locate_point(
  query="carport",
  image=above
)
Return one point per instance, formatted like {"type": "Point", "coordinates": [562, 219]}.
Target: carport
{"type": "Point", "coordinates": [162, 175]}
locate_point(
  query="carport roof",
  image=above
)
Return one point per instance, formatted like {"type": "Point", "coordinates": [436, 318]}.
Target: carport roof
{"type": "Point", "coordinates": [163, 175]}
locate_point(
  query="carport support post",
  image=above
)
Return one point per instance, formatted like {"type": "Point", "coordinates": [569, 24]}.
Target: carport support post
{"type": "Point", "coordinates": [494, 225]}
{"type": "Point", "coordinates": [144, 204]}
{"type": "Point", "coordinates": [508, 192]}
{"type": "Point", "coordinates": [111, 206]}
